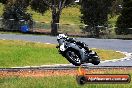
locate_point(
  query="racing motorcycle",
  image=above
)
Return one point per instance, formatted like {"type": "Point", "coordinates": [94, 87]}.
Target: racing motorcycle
{"type": "Point", "coordinates": [76, 52]}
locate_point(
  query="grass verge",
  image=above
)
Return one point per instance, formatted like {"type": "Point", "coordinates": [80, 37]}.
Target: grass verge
{"type": "Point", "coordinates": [22, 53]}
{"type": "Point", "coordinates": [60, 81]}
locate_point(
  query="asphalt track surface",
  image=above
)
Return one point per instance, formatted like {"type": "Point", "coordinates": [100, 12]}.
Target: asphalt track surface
{"type": "Point", "coordinates": [109, 44]}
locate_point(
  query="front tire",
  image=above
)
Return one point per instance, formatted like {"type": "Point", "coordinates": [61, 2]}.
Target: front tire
{"type": "Point", "coordinates": [73, 57]}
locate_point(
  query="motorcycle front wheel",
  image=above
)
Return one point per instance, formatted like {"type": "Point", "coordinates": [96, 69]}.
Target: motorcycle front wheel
{"type": "Point", "coordinates": [73, 57]}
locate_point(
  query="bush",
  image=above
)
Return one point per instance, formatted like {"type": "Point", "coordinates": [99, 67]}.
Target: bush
{"type": "Point", "coordinates": [14, 11]}
{"type": "Point", "coordinates": [94, 14]}
{"type": "Point", "coordinates": [124, 21]}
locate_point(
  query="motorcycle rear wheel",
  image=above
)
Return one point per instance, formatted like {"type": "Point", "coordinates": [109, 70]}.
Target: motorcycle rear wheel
{"type": "Point", "coordinates": [96, 60]}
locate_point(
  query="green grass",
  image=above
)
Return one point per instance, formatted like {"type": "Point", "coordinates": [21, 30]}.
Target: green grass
{"type": "Point", "coordinates": [53, 82]}
{"type": "Point", "coordinates": [108, 54]}
{"type": "Point", "coordinates": [3, 32]}
{"type": "Point", "coordinates": [58, 82]}
{"type": "Point", "coordinates": [69, 15]}
{"type": "Point", "coordinates": [21, 53]}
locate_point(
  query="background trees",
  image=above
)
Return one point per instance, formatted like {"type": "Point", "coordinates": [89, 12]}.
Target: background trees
{"type": "Point", "coordinates": [14, 11]}
{"type": "Point", "coordinates": [3, 1]}
{"type": "Point", "coordinates": [57, 7]}
{"type": "Point", "coordinates": [17, 7]}
{"type": "Point", "coordinates": [116, 7]}
{"type": "Point", "coordinates": [95, 13]}
{"type": "Point", "coordinates": [124, 21]}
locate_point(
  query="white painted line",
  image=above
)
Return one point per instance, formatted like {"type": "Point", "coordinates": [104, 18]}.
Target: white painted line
{"type": "Point", "coordinates": [102, 62]}
{"type": "Point", "coordinates": [113, 61]}
{"type": "Point", "coordinates": [27, 66]}
{"type": "Point", "coordinates": [47, 43]}
{"type": "Point", "coordinates": [36, 21]}
{"type": "Point", "coordinates": [128, 59]}
{"type": "Point", "coordinates": [94, 48]}
{"type": "Point", "coordinates": [121, 60]}
{"type": "Point", "coordinates": [118, 51]}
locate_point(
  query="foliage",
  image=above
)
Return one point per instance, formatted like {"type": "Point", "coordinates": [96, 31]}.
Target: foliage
{"type": "Point", "coordinates": [42, 6]}
{"type": "Point", "coordinates": [116, 7]}
{"type": "Point", "coordinates": [124, 21]}
{"type": "Point", "coordinates": [1, 9]}
{"type": "Point", "coordinates": [56, 7]}
{"type": "Point", "coordinates": [39, 6]}
{"type": "Point", "coordinates": [95, 12]}
{"type": "Point", "coordinates": [14, 11]}
{"type": "Point", "coordinates": [3, 1]}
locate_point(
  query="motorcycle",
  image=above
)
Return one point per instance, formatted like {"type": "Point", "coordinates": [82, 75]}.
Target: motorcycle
{"type": "Point", "coordinates": [76, 52]}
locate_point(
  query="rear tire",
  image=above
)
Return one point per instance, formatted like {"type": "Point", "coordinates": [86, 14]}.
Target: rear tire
{"type": "Point", "coordinates": [73, 57]}
{"type": "Point", "coordinates": [95, 60]}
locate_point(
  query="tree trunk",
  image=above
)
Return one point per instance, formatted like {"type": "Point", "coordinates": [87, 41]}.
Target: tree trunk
{"type": "Point", "coordinates": [97, 32]}
{"type": "Point", "coordinates": [54, 24]}
{"type": "Point", "coordinates": [55, 21]}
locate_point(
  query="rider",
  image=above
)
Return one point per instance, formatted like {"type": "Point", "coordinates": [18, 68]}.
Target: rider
{"type": "Point", "coordinates": [63, 37]}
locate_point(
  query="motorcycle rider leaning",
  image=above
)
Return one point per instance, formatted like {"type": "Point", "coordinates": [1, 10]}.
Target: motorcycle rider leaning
{"type": "Point", "coordinates": [61, 38]}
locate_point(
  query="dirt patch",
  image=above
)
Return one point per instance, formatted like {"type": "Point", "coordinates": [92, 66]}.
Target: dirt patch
{"type": "Point", "coordinates": [37, 73]}
{"type": "Point", "coordinates": [41, 73]}
{"type": "Point", "coordinates": [47, 73]}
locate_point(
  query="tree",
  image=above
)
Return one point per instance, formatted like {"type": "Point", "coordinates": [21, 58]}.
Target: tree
{"type": "Point", "coordinates": [3, 1]}
{"type": "Point", "coordinates": [116, 7]}
{"type": "Point", "coordinates": [41, 6]}
{"type": "Point", "coordinates": [56, 7]}
{"type": "Point", "coordinates": [95, 13]}
{"type": "Point", "coordinates": [124, 21]}
{"type": "Point", "coordinates": [14, 11]}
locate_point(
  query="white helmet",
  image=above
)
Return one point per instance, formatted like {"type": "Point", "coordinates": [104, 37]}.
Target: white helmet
{"type": "Point", "coordinates": [61, 36]}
